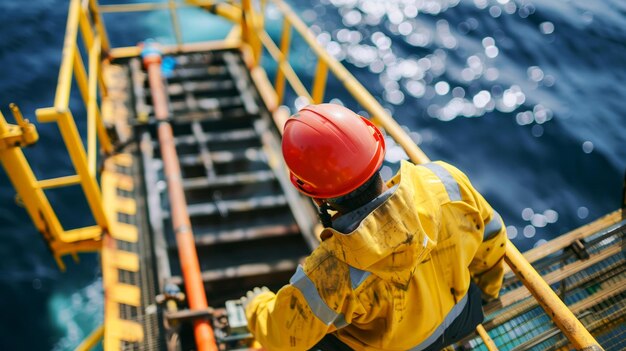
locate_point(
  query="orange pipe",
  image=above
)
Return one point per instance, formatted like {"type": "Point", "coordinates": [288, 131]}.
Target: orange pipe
{"type": "Point", "coordinates": [194, 286]}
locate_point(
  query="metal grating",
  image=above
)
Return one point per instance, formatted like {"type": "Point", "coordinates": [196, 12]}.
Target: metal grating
{"type": "Point", "coordinates": [589, 278]}
{"type": "Point", "coordinates": [242, 214]}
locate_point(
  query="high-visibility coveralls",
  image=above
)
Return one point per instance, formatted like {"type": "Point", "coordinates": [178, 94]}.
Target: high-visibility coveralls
{"type": "Point", "coordinates": [399, 277]}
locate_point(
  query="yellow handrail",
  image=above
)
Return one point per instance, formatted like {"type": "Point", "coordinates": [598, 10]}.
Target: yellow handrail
{"type": "Point", "coordinates": [92, 340]}
{"type": "Point", "coordinates": [254, 36]}
{"type": "Point", "coordinates": [556, 309]}
{"type": "Point", "coordinates": [82, 16]}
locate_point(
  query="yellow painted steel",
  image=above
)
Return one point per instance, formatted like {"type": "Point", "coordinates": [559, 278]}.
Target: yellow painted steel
{"type": "Point", "coordinates": [20, 135]}
{"type": "Point", "coordinates": [92, 340]}
{"type": "Point", "coordinates": [92, 105]}
{"type": "Point", "coordinates": [134, 51]}
{"type": "Point", "coordinates": [125, 182]}
{"type": "Point", "coordinates": [319, 82]}
{"type": "Point", "coordinates": [137, 7]}
{"type": "Point", "coordinates": [88, 38]}
{"type": "Point", "coordinates": [126, 206]}
{"type": "Point", "coordinates": [30, 190]}
{"type": "Point", "coordinates": [59, 182]}
{"type": "Point", "coordinates": [117, 293]}
{"type": "Point", "coordinates": [285, 67]}
{"type": "Point", "coordinates": [491, 346]}
{"type": "Point", "coordinates": [571, 327]}
{"type": "Point", "coordinates": [66, 242]}
{"type": "Point", "coordinates": [353, 86]}
{"type": "Point", "coordinates": [99, 24]}
{"type": "Point", "coordinates": [75, 148]}
{"type": "Point", "coordinates": [568, 323]}
{"type": "Point", "coordinates": [285, 42]}
{"type": "Point", "coordinates": [174, 18]}
{"type": "Point", "coordinates": [250, 24]}
{"type": "Point", "coordinates": [89, 238]}
{"type": "Point", "coordinates": [64, 84]}
{"type": "Point", "coordinates": [223, 9]}
{"type": "Point", "coordinates": [226, 10]}
{"type": "Point", "coordinates": [125, 232]}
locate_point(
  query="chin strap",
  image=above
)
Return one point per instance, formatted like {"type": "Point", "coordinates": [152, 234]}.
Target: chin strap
{"type": "Point", "coordinates": [325, 217]}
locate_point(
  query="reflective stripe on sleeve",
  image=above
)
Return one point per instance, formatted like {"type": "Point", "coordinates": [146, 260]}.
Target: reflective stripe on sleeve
{"type": "Point", "coordinates": [320, 309]}
{"type": "Point", "coordinates": [357, 277]}
{"type": "Point", "coordinates": [452, 187]}
{"type": "Point", "coordinates": [493, 227]}
{"type": "Point", "coordinates": [450, 317]}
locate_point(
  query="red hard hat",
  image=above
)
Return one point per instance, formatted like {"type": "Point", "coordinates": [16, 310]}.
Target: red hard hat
{"type": "Point", "coordinates": [330, 150]}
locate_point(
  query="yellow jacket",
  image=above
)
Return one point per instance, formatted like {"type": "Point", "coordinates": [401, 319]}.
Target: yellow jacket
{"type": "Point", "coordinates": [392, 282]}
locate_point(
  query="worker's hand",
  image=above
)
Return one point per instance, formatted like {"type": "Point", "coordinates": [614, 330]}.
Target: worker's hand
{"type": "Point", "coordinates": [251, 294]}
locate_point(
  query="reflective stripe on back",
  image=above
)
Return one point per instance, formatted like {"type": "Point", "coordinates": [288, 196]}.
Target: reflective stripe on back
{"type": "Point", "coordinates": [452, 187]}
{"type": "Point", "coordinates": [493, 227]}
{"type": "Point", "coordinates": [320, 309]}
{"type": "Point", "coordinates": [450, 317]}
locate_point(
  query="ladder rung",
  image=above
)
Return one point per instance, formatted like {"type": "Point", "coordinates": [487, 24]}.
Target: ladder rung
{"type": "Point", "coordinates": [250, 154]}
{"type": "Point", "coordinates": [197, 87]}
{"type": "Point", "coordinates": [208, 103]}
{"type": "Point", "coordinates": [245, 233]}
{"type": "Point", "coordinates": [226, 180]}
{"type": "Point", "coordinates": [192, 72]}
{"type": "Point", "coordinates": [226, 136]}
{"type": "Point", "coordinates": [255, 203]}
{"type": "Point", "coordinates": [237, 114]}
{"type": "Point", "coordinates": [243, 271]}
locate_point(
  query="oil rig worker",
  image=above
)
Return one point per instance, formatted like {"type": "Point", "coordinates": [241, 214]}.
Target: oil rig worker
{"type": "Point", "coordinates": [402, 265]}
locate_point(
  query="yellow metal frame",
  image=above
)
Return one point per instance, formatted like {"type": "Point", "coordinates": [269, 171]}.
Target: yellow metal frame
{"type": "Point", "coordinates": [82, 15]}
{"type": "Point", "coordinates": [249, 34]}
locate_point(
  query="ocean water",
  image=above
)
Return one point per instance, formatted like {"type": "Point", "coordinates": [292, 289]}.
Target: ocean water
{"type": "Point", "coordinates": [526, 97]}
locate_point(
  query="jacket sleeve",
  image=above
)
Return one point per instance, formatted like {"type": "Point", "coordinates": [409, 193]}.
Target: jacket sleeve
{"type": "Point", "coordinates": [301, 313]}
{"type": "Point", "coordinates": [487, 267]}
{"type": "Point", "coordinates": [282, 321]}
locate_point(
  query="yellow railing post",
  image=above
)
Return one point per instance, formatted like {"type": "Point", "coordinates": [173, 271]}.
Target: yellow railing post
{"type": "Point", "coordinates": [175, 23]}
{"type": "Point", "coordinates": [92, 340]}
{"type": "Point", "coordinates": [285, 42]}
{"type": "Point", "coordinates": [378, 114]}
{"type": "Point", "coordinates": [250, 29]}
{"type": "Point", "coordinates": [246, 12]}
{"type": "Point", "coordinates": [62, 97]}
{"type": "Point", "coordinates": [87, 238]}
{"type": "Point", "coordinates": [319, 82]}
{"type": "Point", "coordinates": [571, 327]}
{"type": "Point", "coordinates": [75, 148]}
{"type": "Point", "coordinates": [97, 19]}
{"type": "Point", "coordinates": [285, 67]}
{"type": "Point", "coordinates": [88, 38]}
{"type": "Point", "coordinates": [491, 346]}
{"type": "Point", "coordinates": [24, 180]}
{"type": "Point", "coordinates": [83, 79]}
{"type": "Point", "coordinates": [92, 106]}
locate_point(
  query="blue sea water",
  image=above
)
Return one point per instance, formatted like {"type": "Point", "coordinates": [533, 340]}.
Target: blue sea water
{"type": "Point", "coordinates": [526, 97]}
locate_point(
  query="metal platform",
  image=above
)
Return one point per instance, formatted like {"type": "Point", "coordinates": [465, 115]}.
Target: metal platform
{"type": "Point", "coordinates": [251, 227]}
{"type": "Point", "coordinates": [589, 275]}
